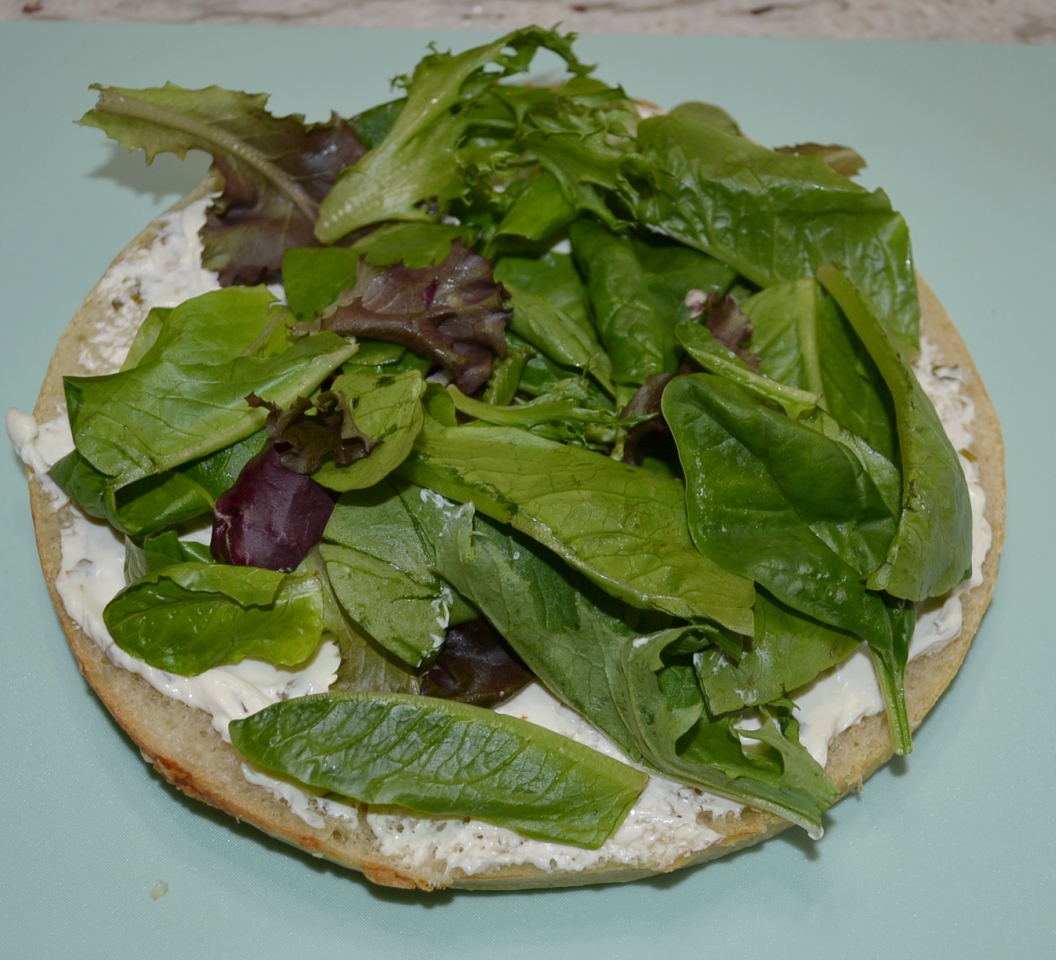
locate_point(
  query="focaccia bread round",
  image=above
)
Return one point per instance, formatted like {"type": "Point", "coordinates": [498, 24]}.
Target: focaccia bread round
{"type": "Point", "coordinates": [187, 751]}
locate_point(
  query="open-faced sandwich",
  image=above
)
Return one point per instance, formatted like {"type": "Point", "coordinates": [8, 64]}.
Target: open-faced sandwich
{"type": "Point", "coordinates": [506, 487]}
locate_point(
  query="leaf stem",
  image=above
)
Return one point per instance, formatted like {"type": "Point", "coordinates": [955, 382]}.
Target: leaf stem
{"type": "Point", "coordinates": [111, 102]}
{"type": "Point", "coordinates": [893, 691]}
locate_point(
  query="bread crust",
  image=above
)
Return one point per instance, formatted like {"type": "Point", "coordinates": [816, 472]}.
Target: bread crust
{"type": "Point", "coordinates": [185, 749]}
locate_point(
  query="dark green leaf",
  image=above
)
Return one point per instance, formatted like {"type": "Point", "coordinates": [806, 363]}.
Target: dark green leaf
{"type": "Point", "coordinates": [540, 211]}
{"type": "Point", "coordinates": [672, 270]}
{"type": "Point", "coordinates": [550, 311]}
{"type": "Point", "coordinates": [776, 501]}
{"type": "Point", "coordinates": [566, 631]}
{"type": "Point", "coordinates": [373, 125]}
{"type": "Point", "coordinates": [155, 503]}
{"type": "Point", "coordinates": [444, 758]}
{"type": "Point", "coordinates": [639, 340]}
{"type": "Point", "coordinates": [774, 218]}
{"type": "Point", "coordinates": [622, 526]}
{"type": "Point", "coordinates": [932, 550]}
{"type": "Point", "coordinates": [803, 341]}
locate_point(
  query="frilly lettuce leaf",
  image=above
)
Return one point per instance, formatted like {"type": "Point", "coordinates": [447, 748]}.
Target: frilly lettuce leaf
{"type": "Point", "coordinates": [276, 170]}
{"type": "Point", "coordinates": [417, 162]}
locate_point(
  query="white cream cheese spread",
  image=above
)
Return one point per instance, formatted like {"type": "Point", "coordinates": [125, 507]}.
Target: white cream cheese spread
{"type": "Point", "coordinates": [669, 821]}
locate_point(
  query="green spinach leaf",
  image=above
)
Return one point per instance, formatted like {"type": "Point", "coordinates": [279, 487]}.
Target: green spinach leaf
{"type": "Point", "coordinates": [155, 503]}
{"type": "Point", "coordinates": [640, 341]}
{"type": "Point", "coordinates": [757, 506]}
{"type": "Point", "coordinates": [444, 758]}
{"type": "Point", "coordinates": [803, 341]}
{"type": "Point", "coordinates": [787, 651]}
{"type": "Point", "coordinates": [551, 312]}
{"type": "Point", "coordinates": [379, 561]}
{"type": "Point", "coordinates": [161, 550]}
{"type": "Point", "coordinates": [774, 218]}
{"type": "Point", "coordinates": [679, 738]}
{"type": "Point", "coordinates": [575, 640]}
{"type": "Point", "coordinates": [189, 617]}
{"type": "Point", "coordinates": [932, 550]}
{"type": "Point", "coordinates": [622, 526]}
{"type": "Point", "coordinates": [158, 415]}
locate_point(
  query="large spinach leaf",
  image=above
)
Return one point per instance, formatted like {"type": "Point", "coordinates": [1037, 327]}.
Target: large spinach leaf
{"type": "Point", "coordinates": [773, 217]}
{"type": "Point", "coordinates": [777, 501]}
{"type": "Point", "coordinates": [149, 419]}
{"type": "Point", "coordinates": [551, 312]}
{"type": "Point", "coordinates": [444, 758]}
{"type": "Point", "coordinates": [575, 639]}
{"type": "Point", "coordinates": [622, 526]}
{"type": "Point", "coordinates": [638, 338]}
{"type": "Point", "coordinates": [161, 501]}
{"type": "Point", "coordinates": [803, 341]}
{"type": "Point", "coordinates": [932, 550]}
{"type": "Point", "coordinates": [566, 630]}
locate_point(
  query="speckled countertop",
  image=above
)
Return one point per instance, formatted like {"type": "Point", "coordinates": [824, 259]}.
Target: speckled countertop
{"type": "Point", "coordinates": [1008, 21]}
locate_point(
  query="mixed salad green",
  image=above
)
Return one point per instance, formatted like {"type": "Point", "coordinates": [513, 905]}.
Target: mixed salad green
{"type": "Point", "coordinates": [557, 391]}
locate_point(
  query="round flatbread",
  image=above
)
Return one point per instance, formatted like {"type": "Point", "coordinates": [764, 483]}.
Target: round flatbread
{"type": "Point", "coordinates": [187, 751]}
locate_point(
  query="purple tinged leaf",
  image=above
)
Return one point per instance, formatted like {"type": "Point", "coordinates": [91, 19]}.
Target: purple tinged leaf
{"type": "Point", "coordinates": [250, 225]}
{"type": "Point", "coordinates": [731, 327]}
{"type": "Point", "coordinates": [451, 312]}
{"type": "Point", "coordinates": [645, 403]}
{"type": "Point", "coordinates": [475, 666]}
{"type": "Point", "coordinates": [271, 517]}
{"type": "Point", "coordinates": [276, 170]}
{"type": "Point", "coordinates": [305, 439]}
